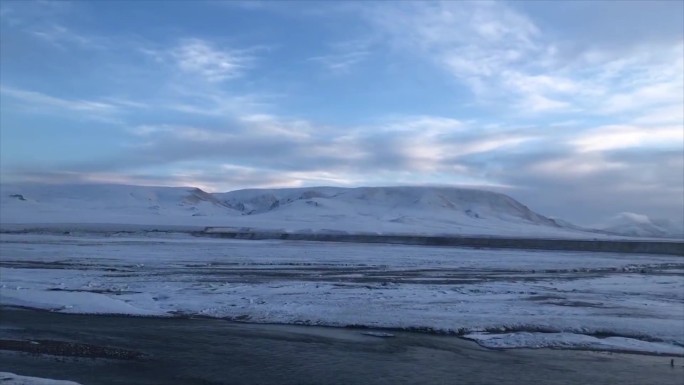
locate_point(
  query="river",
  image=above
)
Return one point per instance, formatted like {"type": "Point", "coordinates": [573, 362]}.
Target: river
{"type": "Point", "coordinates": [214, 351]}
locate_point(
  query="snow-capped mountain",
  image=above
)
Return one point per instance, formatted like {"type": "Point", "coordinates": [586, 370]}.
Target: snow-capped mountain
{"type": "Point", "coordinates": [639, 225]}
{"type": "Point", "coordinates": [418, 210]}
{"type": "Point", "coordinates": [399, 205]}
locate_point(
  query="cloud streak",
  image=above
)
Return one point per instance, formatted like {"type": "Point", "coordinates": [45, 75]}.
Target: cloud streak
{"type": "Point", "coordinates": [345, 55]}
{"type": "Point", "coordinates": [42, 100]}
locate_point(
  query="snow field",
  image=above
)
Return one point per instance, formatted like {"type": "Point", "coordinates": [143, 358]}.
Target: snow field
{"type": "Point", "coordinates": [501, 298]}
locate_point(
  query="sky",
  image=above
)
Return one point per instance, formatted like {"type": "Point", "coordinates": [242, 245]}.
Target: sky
{"type": "Point", "coordinates": [574, 108]}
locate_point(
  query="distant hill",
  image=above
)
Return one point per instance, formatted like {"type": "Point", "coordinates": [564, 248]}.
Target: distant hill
{"type": "Point", "coordinates": [638, 225]}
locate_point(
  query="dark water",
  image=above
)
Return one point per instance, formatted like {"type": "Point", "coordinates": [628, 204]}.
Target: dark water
{"type": "Point", "coordinates": [210, 351]}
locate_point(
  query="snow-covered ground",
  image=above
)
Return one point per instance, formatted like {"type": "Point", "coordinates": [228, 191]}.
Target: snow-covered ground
{"type": "Point", "coordinates": [571, 341]}
{"type": "Point", "coordinates": [502, 298]}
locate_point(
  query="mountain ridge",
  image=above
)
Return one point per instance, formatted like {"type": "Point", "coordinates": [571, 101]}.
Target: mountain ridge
{"type": "Point", "coordinates": [383, 210]}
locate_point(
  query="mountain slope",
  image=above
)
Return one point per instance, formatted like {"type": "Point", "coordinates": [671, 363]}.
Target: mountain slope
{"type": "Point", "coordinates": [90, 203]}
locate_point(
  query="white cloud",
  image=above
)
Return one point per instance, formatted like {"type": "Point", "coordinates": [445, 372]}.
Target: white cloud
{"type": "Point", "coordinates": [61, 36]}
{"type": "Point", "coordinates": [414, 144]}
{"type": "Point", "coordinates": [474, 41]}
{"type": "Point", "coordinates": [183, 133]}
{"type": "Point", "coordinates": [101, 110]}
{"type": "Point", "coordinates": [616, 137]}
{"type": "Point", "coordinates": [241, 129]}
{"type": "Point", "coordinates": [424, 124]}
{"type": "Point", "coordinates": [535, 102]}
{"type": "Point", "coordinates": [672, 114]}
{"type": "Point", "coordinates": [270, 125]}
{"type": "Point", "coordinates": [505, 59]}
{"type": "Point", "coordinates": [37, 99]}
{"type": "Point", "coordinates": [341, 62]}
{"type": "Point", "coordinates": [576, 165]}
{"type": "Point", "coordinates": [430, 144]}
{"type": "Point", "coordinates": [199, 57]}
{"type": "Point", "coordinates": [344, 55]}
{"type": "Point", "coordinates": [639, 97]}
{"type": "Point", "coordinates": [105, 109]}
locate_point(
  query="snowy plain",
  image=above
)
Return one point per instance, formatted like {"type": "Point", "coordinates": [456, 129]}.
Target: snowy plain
{"type": "Point", "coordinates": [500, 298]}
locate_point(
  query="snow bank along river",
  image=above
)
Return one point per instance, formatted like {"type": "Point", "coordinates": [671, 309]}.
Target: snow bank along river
{"type": "Point", "coordinates": [500, 298]}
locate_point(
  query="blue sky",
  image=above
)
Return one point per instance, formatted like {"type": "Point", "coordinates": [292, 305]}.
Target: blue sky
{"type": "Point", "coordinates": [575, 108]}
